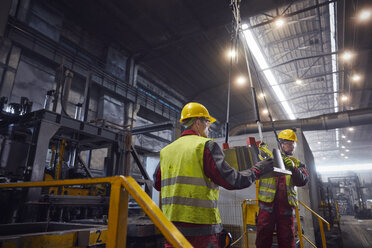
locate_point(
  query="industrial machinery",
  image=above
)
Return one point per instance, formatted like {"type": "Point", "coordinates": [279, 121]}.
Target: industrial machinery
{"type": "Point", "coordinates": [46, 146]}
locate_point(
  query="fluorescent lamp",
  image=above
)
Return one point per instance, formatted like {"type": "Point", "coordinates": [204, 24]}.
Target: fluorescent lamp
{"type": "Point", "coordinates": [332, 19]}
{"type": "Point", "coordinates": [343, 168]}
{"type": "Point", "coordinates": [258, 55]}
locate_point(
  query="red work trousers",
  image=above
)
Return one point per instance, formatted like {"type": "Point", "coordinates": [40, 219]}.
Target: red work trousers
{"type": "Point", "coordinates": [208, 241]}
{"type": "Point", "coordinates": [284, 228]}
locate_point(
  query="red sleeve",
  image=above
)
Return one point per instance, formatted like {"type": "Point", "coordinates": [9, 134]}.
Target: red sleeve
{"type": "Point", "coordinates": [157, 178]}
{"type": "Point", "coordinates": [211, 171]}
{"type": "Point", "coordinates": [300, 176]}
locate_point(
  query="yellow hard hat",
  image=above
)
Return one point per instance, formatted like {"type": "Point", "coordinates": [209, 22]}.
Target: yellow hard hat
{"type": "Point", "coordinates": [194, 109]}
{"type": "Point", "coordinates": [288, 134]}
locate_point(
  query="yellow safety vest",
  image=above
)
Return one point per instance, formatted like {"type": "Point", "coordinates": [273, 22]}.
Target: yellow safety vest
{"type": "Point", "coordinates": [187, 195]}
{"type": "Point", "coordinates": [267, 188]}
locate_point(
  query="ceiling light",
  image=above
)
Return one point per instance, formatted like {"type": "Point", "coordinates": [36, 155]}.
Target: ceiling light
{"type": "Point", "coordinates": [364, 15]}
{"type": "Point", "coordinates": [355, 77]}
{"type": "Point", "coordinates": [342, 154]}
{"type": "Point", "coordinates": [231, 53]}
{"type": "Point", "coordinates": [350, 129]}
{"type": "Point", "coordinates": [344, 98]}
{"type": "Point", "coordinates": [346, 56]}
{"type": "Point", "coordinates": [265, 111]}
{"type": "Point", "coordinates": [279, 22]}
{"type": "Point", "coordinates": [324, 158]}
{"type": "Point", "coordinates": [347, 150]}
{"type": "Point", "coordinates": [241, 80]}
{"type": "Point", "coordinates": [319, 142]}
{"type": "Point", "coordinates": [346, 157]}
{"type": "Point", "coordinates": [343, 147]}
{"type": "Point", "coordinates": [349, 141]}
{"type": "Point", "coordinates": [343, 136]}
{"type": "Point", "coordinates": [271, 79]}
{"type": "Point", "coordinates": [298, 81]}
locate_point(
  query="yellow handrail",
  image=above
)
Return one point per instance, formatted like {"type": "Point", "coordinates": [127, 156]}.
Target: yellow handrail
{"type": "Point", "coordinates": [300, 235]}
{"type": "Point", "coordinates": [118, 210]}
{"type": "Point", "coordinates": [320, 219]}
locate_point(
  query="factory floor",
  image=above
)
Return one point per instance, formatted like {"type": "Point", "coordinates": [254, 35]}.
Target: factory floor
{"type": "Point", "coordinates": [356, 233]}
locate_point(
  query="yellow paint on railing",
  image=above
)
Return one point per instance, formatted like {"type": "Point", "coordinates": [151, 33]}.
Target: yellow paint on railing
{"type": "Point", "coordinates": [299, 228]}
{"type": "Point", "coordinates": [118, 210]}
{"type": "Point", "coordinates": [317, 215]}
{"type": "Point", "coordinates": [245, 211]}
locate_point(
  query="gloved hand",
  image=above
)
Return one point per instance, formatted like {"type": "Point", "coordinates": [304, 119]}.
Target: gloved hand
{"type": "Point", "coordinates": [288, 163]}
{"type": "Point", "coordinates": [264, 166]}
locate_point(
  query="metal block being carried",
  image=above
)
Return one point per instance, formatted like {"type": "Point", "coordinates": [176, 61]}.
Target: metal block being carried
{"type": "Point", "coordinates": [244, 157]}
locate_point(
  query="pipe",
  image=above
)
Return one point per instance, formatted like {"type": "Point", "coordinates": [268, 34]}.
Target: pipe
{"type": "Point", "coordinates": [321, 122]}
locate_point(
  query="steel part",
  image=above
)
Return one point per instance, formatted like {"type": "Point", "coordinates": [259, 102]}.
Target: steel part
{"type": "Point", "coordinates": [241, 157]}
{"type": "Point", "coordinates": [320, 122]}
{"type": "Point", "coordinates": [58, 80]}
{"type": "Point", "coordinates": [41, 136]}
{"type": "Point", "coordinates": [153, 127]}
{"type": "Point", "coordinates": [66, 89]}
{"type": "Point", "coordinates": [52, 234]}
{"type": "Point", "coordinates": [171, 233]}
{"type": "Point", "coordinates": [58, 167]}
{"type": "Point", "coordinates": [88, 83]}
{"type": "Point", "coordinates": [48, 99]}
{"type": "Point", "coordinates": [77, 115]}
{"type": "Point", "coordinates": [148, 186]}
{"type": "Point", "coordinates": [255, 106]}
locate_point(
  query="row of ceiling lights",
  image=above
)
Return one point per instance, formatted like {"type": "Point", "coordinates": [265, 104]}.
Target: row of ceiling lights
{"type": "Point", "coordinates": [347, 56]}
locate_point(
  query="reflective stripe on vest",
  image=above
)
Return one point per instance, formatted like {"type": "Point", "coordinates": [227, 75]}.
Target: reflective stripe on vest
{"type": "Point", "coordinates": [189, 202]}
{"type": "Point", "coordinates": [267, 188]}
{"type": "Point", "coordinates": [187, 194]}
{"type": "Point", "coordinates": [188, 180]}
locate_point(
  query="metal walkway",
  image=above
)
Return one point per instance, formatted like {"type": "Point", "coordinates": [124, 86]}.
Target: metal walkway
{"type": "Point", "coordinates": [356, 233]}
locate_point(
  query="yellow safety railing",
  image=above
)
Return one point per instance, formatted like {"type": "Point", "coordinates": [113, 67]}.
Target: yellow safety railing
{"type": "Point", "coordinates": [250, 208]}
{"type": "Point", "coordinates": [121, 188]}
{"type": "Point", "coordinates": [320, 219]}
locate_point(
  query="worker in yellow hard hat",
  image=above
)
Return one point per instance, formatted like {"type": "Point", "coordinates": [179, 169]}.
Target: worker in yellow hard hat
{"type": "Point", "coordinates": [190, 171]}
{"type": "Point", "coordinates": [278, 197]}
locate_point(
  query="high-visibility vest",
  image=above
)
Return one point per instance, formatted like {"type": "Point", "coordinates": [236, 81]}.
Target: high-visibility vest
{"type": "Point", "coordinates": [267, 188]}
{"type": "Point", "coordinates": [187, 195]}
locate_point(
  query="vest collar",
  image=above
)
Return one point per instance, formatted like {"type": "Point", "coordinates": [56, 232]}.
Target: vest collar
{"type": "Point", "coordinates": [189, 132]}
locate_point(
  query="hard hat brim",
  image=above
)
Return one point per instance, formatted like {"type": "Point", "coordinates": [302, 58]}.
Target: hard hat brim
{"type": "Point", "coordinates": [210, 118]}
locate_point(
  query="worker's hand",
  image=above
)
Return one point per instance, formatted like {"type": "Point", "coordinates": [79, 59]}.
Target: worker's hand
{"type": "Point", "coordinates": [288, 163]}
{"type": "Point", "coordinates": [264, 166]}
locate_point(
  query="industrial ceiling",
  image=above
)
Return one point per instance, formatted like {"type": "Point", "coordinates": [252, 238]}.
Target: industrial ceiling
{"type": "Point", "coordinates": [185, 44]}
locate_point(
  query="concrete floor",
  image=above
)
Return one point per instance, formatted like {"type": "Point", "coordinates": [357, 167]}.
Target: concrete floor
{"type": "Point", "coordinates": [356, 233]}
